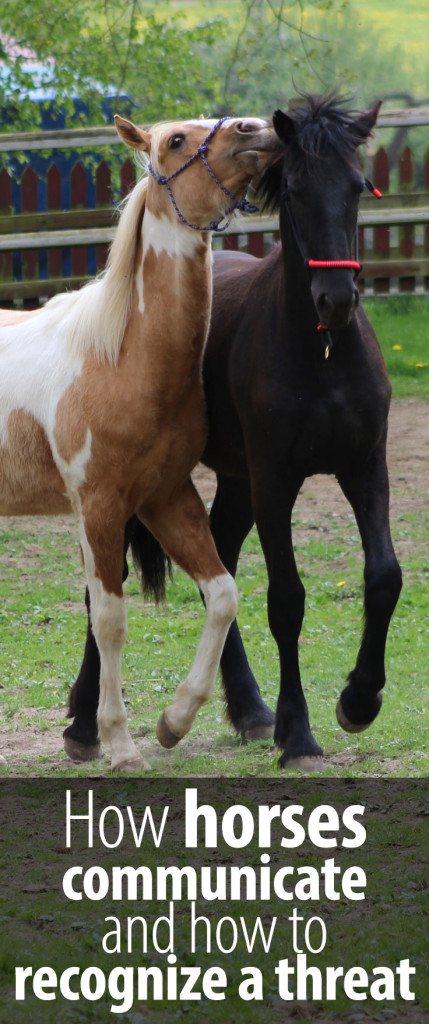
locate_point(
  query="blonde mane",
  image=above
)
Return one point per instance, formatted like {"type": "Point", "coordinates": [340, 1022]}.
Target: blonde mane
{"type": "Point", "coordinates": [98, 316]}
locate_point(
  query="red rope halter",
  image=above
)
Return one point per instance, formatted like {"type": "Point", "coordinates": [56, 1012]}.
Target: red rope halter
{"type": "Point", "coordinates": [334, 264]}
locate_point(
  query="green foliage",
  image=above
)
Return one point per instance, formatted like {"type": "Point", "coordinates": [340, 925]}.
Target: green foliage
{"type": "Point", "coordinates": [180, 58]}
{"type": "Point", "coordinates": [314, 47]}
{"type": "Point", "coordinates": [96, 48]}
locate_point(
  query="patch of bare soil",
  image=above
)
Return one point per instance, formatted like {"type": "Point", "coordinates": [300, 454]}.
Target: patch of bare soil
{"type": "Point", "coordinates": [319, 500]}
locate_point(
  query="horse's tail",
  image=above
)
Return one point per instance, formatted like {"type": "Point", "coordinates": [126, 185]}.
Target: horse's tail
{"type": "Point", "coordinates": [150, 561]}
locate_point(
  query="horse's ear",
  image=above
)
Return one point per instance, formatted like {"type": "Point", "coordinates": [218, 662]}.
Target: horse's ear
{"type": "Point", "coordinates": [133, 136]}
{"type": "Point", "coordinates": [365, 122]}
{"type": "Point", "coordinates": [283, 126]}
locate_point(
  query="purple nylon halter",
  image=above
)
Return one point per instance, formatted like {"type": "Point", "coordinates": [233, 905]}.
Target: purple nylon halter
{"type": "Point", "coordinates": [237, 204]}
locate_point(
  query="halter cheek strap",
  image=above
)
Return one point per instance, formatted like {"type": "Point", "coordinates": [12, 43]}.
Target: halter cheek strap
{"type": "Point", "coordinates": [237, 204]}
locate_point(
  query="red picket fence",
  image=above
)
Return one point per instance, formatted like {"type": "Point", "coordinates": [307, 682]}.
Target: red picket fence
{"type": "Point", "coordinates": [46, 248]}
{"type": "Point", "coordinates": [393, 231]}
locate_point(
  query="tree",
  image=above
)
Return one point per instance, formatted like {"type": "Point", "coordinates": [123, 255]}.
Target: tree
{"type": "Point", "coordinates": [168, 64]}
{"type": "Point", "coordinates": [98, 48]}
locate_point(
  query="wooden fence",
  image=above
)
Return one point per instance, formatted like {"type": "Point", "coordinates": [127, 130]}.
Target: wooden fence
{"type": "Point", "coordinates": [53, 238]}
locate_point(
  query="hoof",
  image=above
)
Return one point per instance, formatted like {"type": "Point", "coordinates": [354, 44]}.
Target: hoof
{"type": "Point", "coordinates": [165, 736]}
{"type": "Point", "coordinates": [259, 732]}
{"type": "Point", "coordinates": [354, 727]}
{"type": "Point", "coordinates": [133, 764]}
{"type": "Point", "coordinates": [79, 752]}
{"type": "Point", "coordinates": [307, 763]}
{"type": "Point", "coordinates": [257, 723]}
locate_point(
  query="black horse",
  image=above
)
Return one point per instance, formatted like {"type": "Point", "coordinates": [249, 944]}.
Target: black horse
{"type": "Point", "coordinates": [295, 385]}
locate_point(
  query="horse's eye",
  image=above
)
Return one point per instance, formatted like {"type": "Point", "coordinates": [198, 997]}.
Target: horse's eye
{"type": "Point", "coordinates": [176, 141]}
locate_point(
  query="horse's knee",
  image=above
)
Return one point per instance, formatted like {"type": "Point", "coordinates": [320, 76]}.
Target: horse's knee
{"type": "Point", "coordinates": [286, 606]}
{"type": "Point", "coordinates": [221, 599]}
{"type": "Point", "coordinates": [383, 586]}
{"type": "Point", "coordinates": [109, 621]}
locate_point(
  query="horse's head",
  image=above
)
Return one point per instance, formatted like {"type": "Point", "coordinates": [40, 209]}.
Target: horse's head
{"type": "Point", "coordinates": [205, 165]}
{"type": "Point", "coordinates": [319, 195]}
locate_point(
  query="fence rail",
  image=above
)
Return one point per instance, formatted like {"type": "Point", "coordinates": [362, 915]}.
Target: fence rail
{"type": "Point", "coordinates": [56, 226]}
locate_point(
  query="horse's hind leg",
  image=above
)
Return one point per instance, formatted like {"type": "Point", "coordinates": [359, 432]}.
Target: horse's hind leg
{"type": "Point", "coordinates": [368, 494]}
{"type": "Point", "coordinates": [231, 518]}
{"type": "Point", "coordinates": [81, 739]}
{"type": "Point", "coordinates": [182, 527]}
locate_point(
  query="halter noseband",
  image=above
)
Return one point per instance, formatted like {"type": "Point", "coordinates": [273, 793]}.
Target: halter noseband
{"type": "Point", "coordinates": [237, 204]}
{"type": "Point", "coordinates": [327, 264]}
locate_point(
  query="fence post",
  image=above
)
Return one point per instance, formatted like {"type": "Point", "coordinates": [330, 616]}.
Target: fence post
{"type": "Point", "coordinates": [381, 233]}
{"type": "Point", "coordinates": [406, 234]}
{"type": "Point", "coordinates": [256, 244]}
{"type": "Point", "coordinates": [128, 177]}
{"type": "Point", "coordinates": [103, 197]}
{"type": "Point", "coordinates": [79, 261]}
{"type": "Point", "coordinates": [6, 258]}
{"type": "Point", "coordinates": [30, 257]}
{"type": "Point", "coordinates": [53, 183]}
{"type": "Point", "coordinates": [230, 242]}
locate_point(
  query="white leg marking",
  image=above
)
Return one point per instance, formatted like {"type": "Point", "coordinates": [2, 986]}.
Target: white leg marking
{"type": "Point", "coordinates": [109, 623]}
{"type": "Point", "coordinates": [220, 595]}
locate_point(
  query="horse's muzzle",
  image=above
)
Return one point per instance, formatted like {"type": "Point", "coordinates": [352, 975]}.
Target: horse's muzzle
{"type": "Point", "coordinates": [335, 300]}
{"type": "Point", "coordinates": [255, 143]}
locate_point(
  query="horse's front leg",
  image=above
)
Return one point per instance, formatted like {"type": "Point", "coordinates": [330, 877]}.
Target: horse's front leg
{"type": "Point", "coordinates": [273, 501]}
{"type": "Point", "coordinates": [103, 559]}
{"type": "Point", "coordinates": [81, 739]}
{"type": "Point", "coordinates": [182, 528]}
{"type": "Point", "coordinates": [231, 518]}
{"type": "Point", "coordinates": [368, 495]}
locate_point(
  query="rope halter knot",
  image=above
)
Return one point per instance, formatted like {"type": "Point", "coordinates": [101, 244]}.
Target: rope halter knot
{"type": "Point", "coordinates": [201, 152]}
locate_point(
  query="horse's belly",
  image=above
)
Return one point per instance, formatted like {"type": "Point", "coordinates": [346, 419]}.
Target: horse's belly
{"type": "Point", "coordinates": [30, 482]}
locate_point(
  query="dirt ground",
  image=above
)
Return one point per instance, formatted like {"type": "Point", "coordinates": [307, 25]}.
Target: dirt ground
{"type": "Point", "coordinates": [408, 460]}
{"type": "Point", "coordinates": [320, 499]}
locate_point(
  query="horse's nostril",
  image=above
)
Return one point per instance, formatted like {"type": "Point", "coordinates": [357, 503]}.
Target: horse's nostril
{"type": "Point", "coordinates": [324, 304]}
{"type": "Point", "coordinates": [246, 126]}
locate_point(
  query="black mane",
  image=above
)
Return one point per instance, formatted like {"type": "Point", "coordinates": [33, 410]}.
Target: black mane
{"type": "Point", "coordinates": [321, 124]}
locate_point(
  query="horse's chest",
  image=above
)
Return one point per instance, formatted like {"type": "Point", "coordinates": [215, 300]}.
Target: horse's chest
{"type": "Point", "coordinates": [165, 456]}
{"type": "Point", "coordinates": [335, 432]}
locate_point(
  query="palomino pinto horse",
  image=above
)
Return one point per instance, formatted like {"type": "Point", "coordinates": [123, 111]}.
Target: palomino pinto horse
{"type": "Point", "coordinates": [101, 401]}
{"type": "Point", "coordinates": [279, 411]}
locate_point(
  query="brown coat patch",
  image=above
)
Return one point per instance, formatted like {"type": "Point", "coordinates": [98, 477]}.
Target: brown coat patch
{"type": "Point", "coordinates": [31, 482]}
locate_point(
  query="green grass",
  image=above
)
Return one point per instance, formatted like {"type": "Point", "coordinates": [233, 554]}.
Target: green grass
{"type": "Point", "coordinates": [402, 327]}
